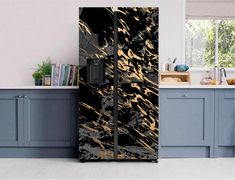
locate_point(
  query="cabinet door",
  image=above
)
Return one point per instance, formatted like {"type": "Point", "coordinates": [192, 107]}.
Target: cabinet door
{"type": "Point", "coordinates": [225, 123]}
{"type": "Point", "coordinates": [185, 121]}
{"type": "Point", "coordinates": [50, 120]}
{"type": "Point", "coordinates": [11, 120]}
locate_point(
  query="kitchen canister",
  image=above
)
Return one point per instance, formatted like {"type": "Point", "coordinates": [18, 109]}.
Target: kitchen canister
{"type": "Point", "coordinates": [171, 67]}
{"type": "Point", "coordinates": [165, 67]}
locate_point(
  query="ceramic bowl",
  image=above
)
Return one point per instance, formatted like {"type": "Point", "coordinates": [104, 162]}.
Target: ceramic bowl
{"type": "Point", "coordinates": [181, 68]}
{"type": "Point", "coordinates": [231, 81]}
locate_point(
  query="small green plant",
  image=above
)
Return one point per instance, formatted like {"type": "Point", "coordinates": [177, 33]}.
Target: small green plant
{"type": "Point", "coordinates": [37, 75]}
{"type": "Point", "coordinates": [45, 68]}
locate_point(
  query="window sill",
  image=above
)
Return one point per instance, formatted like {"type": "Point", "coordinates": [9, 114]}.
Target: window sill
{"type": "Point", "coordinates": [195, 69]}
{"type": "Point", "coordinates": [208, 69]}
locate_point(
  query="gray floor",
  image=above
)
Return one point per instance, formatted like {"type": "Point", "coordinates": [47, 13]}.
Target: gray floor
{"type": "Point", "coordinates": [71, 169]}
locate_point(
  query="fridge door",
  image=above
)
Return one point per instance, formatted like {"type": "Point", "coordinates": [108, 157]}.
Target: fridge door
{"type": "Point", "coordinates": [138, 83]}
{"type": "Point", "coordinates": [96, 84]}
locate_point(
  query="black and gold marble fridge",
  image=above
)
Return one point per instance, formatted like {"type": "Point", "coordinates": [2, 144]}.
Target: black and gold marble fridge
{"type": "Point", "coordinates": [118, 84]}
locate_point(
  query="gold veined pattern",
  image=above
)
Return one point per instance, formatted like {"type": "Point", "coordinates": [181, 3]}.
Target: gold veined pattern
{"type": "Point", "coordinates": [137, 84]}
{"type": "Point", "coordinates": [138, 89]}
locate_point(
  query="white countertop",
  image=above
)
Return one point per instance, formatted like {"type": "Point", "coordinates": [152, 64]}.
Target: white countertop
{"type": "Point", "coordinates": [39, 87]}
{"type": "Point", "coordinates": [193, 86]}
{"type": "Point", "coordinates": [197, 86]}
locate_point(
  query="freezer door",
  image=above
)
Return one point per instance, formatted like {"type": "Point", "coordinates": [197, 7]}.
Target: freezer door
{"type": "Point", "coordinates": [96, 84]}
{"type": "Point", "coordinates": [138, 83]}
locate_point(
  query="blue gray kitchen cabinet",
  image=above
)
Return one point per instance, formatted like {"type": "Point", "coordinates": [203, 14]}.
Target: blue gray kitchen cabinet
{"type": "Point", "coordinates": [38, 123]}
{"type": "Point", "coordinates": [225, 123]}
{"type": "Point", "coordinates": [49, 120]}
{"type": "Point", "coordinates": [11, 120]}
{"type": "Point", "coordinates": [186, 122]}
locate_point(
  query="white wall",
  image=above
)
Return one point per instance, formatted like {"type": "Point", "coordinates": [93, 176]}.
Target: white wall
{"type": "Point", "coordinates": [32, 30]}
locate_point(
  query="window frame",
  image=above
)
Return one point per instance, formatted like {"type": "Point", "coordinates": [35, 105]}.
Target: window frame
{"type": "Point", "coordinates": [229, 69]}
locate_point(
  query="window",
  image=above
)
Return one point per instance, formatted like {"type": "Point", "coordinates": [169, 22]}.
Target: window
{"type": "Point", "coordinates": [210, 42]}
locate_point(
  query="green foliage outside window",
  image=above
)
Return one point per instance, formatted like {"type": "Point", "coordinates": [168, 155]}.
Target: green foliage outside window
{"type": "Point", "coordinates": [200, 43]}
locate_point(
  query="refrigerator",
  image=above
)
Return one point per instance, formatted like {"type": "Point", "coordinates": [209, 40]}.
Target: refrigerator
{"type": "Point", "coordinates": [118, 84]}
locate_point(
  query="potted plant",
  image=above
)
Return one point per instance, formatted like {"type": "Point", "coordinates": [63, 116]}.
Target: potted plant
{"type": "Point", "coordinates": [45, 68]}
{"type": "Point", "coordinates": [43, 74]}
{"type": "Point", "coordinates": [37, 75]}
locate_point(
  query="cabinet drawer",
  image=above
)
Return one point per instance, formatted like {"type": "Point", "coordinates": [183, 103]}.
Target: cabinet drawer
{"type": "Point", "coordinates": [171, 94]}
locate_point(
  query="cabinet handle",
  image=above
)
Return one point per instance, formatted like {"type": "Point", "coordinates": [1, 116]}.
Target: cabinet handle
{"type": "Point", "coordinates": [21, 96]}
{"type": "Point", "coordinates": [17, 97]}
{"type": "Point", "coordinates": [185, 95]}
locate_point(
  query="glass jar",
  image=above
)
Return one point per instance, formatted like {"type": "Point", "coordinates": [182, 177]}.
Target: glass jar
{"type": "Point", "coordinates": [47, 80]}
{"type": "Point", "coordinates": [207, 79]}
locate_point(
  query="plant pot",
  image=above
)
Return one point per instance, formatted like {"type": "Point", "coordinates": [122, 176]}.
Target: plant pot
{"type": "Point", "coordinates": [38, 82]}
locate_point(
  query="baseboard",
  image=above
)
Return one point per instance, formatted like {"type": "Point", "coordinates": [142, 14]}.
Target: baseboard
{"type": "Point", "coordinates": [13, 152]}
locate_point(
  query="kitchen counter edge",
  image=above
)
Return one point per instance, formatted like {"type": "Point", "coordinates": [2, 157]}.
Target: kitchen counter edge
{"type": "Point", "coordinates": [40, 87]}
{"type": "Point", "coordinates": [197, 86]}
